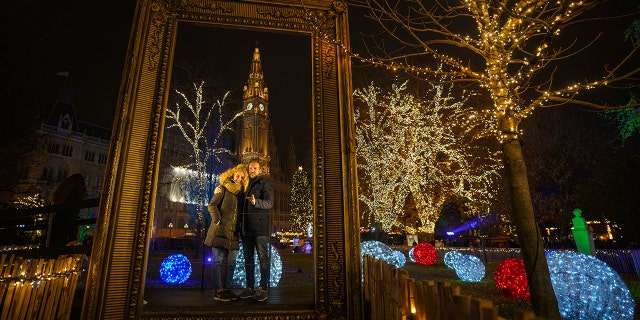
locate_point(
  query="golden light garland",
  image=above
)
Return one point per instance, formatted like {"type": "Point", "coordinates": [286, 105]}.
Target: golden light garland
{"type": "Point", "coordinates": [423, 148]}
{"type": "Point", "coordinates": [503, 37]}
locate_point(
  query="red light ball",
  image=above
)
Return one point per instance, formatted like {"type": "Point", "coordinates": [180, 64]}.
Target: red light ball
{"type": "Point", "coordinates": [511, 279]}
{"type": "Point", "coordinates": [424, 253]}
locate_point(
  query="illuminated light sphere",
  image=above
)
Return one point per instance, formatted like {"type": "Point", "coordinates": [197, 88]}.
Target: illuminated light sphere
{"type": "Point", "coordinates": [175, 268]}
{"type": "Point", "coordinates": [450, 258]}
{"type": "Point", "coordinates": [411, 255]}
{"type": "Point", "coordinates": [240, 276]}
{"type": "Point", "coordinates": [469, 268]}
{"type": "Point", "coordinates": [424, 253]}
{"type": "Point", "coordinates": [382, 251]}
{"type": "Point", "coordinates": [307, 247]}
{"type": "Point", "coordinates": [511, 279]}
{"type": "Point", "coordinates": [400, 257]}
{"type": "Point", "coordinates": [587, 288]}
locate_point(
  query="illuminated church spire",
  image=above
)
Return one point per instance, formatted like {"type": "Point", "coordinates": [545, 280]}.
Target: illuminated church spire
{"type": "Point", "coordinates": [254, 131]}
{"type": "Point", "coordinates": [255, 85]}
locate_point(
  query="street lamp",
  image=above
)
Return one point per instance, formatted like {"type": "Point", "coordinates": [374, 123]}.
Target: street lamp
{"type": "Point", "coordinates": [186, 226]}
{"type": "Point", "coordinates": [170, 228]}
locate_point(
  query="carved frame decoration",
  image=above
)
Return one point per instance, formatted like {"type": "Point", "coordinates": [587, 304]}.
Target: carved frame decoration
{"type": "Point", "coordinates": [116, 274]}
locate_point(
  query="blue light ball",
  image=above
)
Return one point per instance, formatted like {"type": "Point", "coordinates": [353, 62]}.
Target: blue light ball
{"type": "Point", "coordinates": [411, 255]}
{"type": "Point", "coordinates": [450, 258]}
{"type": "Point", "coordinates": [382, 251]}
{"type": "Point", "coordinates": [175, 268]}
{"type": "Point", "coordinates": [469, 268]}
{"type": "Point", "coordinates": [587, 288]}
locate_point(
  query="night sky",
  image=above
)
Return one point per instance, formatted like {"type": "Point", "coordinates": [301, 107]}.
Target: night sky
{"type": "Point", "coordinates": [91, 45]}
{"type": "Point", "coordinates": [44, 38]}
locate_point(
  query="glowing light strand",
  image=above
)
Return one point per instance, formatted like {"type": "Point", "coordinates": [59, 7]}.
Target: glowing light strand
{"type": "Point", "coordinates": [434, 142]}
{"type": "Point", "coordinates": [301, 202]}
{"type": "Point", "coordinates": [514, 42]}
{"type": "Point", "coordinates": [587, 288]}
{"type": "Point", "coordinates": [240, 275]}
{"type": "Point", "coordinates": [194, 127]}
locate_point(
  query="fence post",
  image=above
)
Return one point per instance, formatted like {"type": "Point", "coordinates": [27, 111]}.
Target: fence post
{"type": "Point", "coordinates": [477, 308]}
{"type": "Point", "coordinates": [420, 299]}
{"type": "Point", "coordinates": [411, 287]}
{"type": "Point", "coordinates": [526, 315]}
{"type": "Point", "coordinates": [462, 304]}
{"type": "Point", "coordinates": [386, 286]}
{"type": "Point", "coordinates": [445, 300]}
{"type": "Point", "coordinates": [375, 290]}
{"type": "Point", "coordinates": [431, 304]}
{"type": "Point", "coordinates": [403, 294]}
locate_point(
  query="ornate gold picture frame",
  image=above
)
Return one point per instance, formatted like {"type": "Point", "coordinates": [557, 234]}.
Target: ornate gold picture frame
{"type": "Point", "coordinates": [116, 275]}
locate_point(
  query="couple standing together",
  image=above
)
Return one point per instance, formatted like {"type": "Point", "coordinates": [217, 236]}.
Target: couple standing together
{"type": "Point", "coordinates": [240, 209]}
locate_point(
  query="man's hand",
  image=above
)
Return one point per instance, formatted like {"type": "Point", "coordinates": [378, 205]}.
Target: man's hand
{"type": "Point", "coordinates": [217, 190]}
{"type": "Point", "coordinates": [252, 199]}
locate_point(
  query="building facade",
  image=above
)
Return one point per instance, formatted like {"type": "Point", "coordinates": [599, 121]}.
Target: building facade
{"type": "Point", "coordinates": [62, 145]}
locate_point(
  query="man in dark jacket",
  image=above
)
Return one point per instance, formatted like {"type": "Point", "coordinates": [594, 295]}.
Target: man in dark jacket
{"type": "Point", "coordinates": [255, 229]}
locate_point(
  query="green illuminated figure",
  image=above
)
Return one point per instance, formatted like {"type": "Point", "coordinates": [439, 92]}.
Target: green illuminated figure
{"type": "Point", "coordinates": [582, 235]}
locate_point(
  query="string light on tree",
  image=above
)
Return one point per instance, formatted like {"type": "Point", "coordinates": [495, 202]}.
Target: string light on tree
{"type": "Point", "coordinates": [193, 118]}
{"type": "Point", "coordinates": [301, 203]}
{"type": "Point", "coordinates": [30, 201]}
{"type": "Point", "coordinates": [431, 141]}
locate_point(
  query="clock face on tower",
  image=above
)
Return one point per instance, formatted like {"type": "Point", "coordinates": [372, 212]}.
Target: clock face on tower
{"type": "Point", "coordinates": [249, 106]}
{"type": "Point", "coordinates": [261, 107]}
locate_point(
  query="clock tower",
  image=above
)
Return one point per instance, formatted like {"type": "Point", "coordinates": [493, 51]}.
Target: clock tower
{"type": "Point", "coordinates": [254, 124]}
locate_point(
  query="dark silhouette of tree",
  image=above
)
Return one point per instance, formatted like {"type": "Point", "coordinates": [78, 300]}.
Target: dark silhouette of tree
{"type": "Point", "coordinates": [561, 163]}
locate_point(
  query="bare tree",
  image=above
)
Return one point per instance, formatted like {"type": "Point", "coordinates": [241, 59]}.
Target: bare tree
{"type": "Point", "coordinates": [193, 118]}
{"type": "Point", "coordinates": [524, 54]}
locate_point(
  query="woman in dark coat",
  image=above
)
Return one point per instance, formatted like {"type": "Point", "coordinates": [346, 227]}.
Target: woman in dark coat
{"type": "Point", "coordinates": [222, 235]}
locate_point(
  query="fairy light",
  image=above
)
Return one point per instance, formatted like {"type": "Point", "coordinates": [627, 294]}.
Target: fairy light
{"type": "Point", "coordinates": [450, 258]}
{"type": "Point", "coordinates": [240, 275]}
{"type": "Point", "coordinates": [193, 117]}
{"type": "Point", "coordinates": [435, 141]}
{"type": "Point", "coordinates": [42, 277]}
{"type": "Point", "coordinates": [469, 268]}
{"type": "Point", "coordinates": [301, 203]}
{"type": "Point", "coordinates": [587, 288]}
{"type": "Point", "coordinates": [424, 253]}
{"type": "Point", "coordinates": [175, 268]}
{"type": "Point", "coordinates": [511, 279]}
{"type": "Point", "coordinates": [382, 251]}
{"type": "Point", "coordinates": [500, 40]}
{"type": "Point", "coordinates": [30, 201]}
